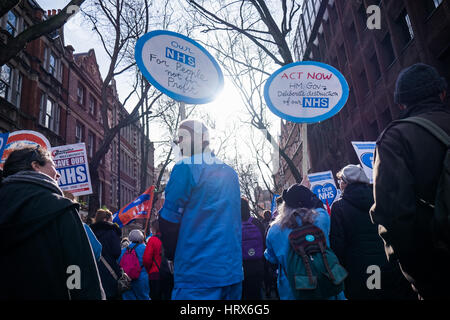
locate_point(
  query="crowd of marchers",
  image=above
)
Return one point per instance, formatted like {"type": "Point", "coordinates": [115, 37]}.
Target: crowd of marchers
{"type": "Point", "coordinates": [386, 240]}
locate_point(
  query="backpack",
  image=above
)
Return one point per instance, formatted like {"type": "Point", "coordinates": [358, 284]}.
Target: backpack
{"type": "Point", "coordinates": [130, 263]}
{"type": "Point", "coordinates": [252, 242]}
{"type": "Point", "coordinates": [313, 270]}
{"type": "Point", "coordinates": [440, 222]}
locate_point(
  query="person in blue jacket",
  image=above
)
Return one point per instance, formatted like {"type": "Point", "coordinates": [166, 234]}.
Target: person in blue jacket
{"type": "Point", "coordinates": [200, 221]}
{"type": "Point", "coordinates": [277, 241]}
{"type": "Point", "coordinates": [139, 288]}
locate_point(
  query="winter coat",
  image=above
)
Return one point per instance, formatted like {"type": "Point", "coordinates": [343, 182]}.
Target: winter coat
{"type": "Point", "coordinates": [152, 254]}
{"type": "Point", "coordinates": [109, 236]}
{"type": "Point", "coordinates": [407, 166]}
{"type": "Point", "coordinates": [41, 238]}
{"type": "Point", "coordinates": [140, 289]}
{"type": "Point", "coordinates": [356, 243]}
{"type": "Point", "coordinates": [277, 251]}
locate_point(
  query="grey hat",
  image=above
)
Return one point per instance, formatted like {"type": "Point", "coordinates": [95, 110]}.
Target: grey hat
{"type": "Point", "coordinates": [136, 235]}
{"type": "Point", "coordinates": [418, 82]}
{"type": "Point", "coordinates": [352, 174]}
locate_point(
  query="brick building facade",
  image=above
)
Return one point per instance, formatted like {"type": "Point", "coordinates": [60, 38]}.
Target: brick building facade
{"type": "Point", "coordinates": [50, 89]}
{"type": "Point", "coordinates": [336, 33]}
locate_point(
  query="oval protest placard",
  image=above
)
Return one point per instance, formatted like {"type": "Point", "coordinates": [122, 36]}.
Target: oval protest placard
{"type": "Point", "coordinates": [21, 137]}
{"type": "Point", "coordinates": [306, 92]}
{"type": "Point", "coordinates": [178, 67]}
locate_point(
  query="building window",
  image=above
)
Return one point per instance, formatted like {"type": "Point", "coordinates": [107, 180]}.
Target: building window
{"type": "Point", "coordinates": [49, 114]}
{"type": "Point", "coordinates": [363, 83]}
{"type": "Point", "coordinates": [11, 23]}
{"type": "Point", "coordinates": [80, 94]}
{"type": "Point", "coordinates": [91, 144]}
{"type": "Point", "coordinates": [92, 105]}
{"type": "Point", "coordinates": [52, 64]}
{"type": "Point", "coordinates": [18, 90]}
{"type": "Point", "coordinates": [388, 55]}
{"type": "Point", "coordinates": [431, 5]}
{"type": "Point", "coordinates": [410, 29]}
{"type": "Point", "coordinates": [79, 128]}
{"type": "Point", "coordinates": [5, 82]}
{"type": "Point", "coordinates": [10, 85]}
{"type": "Point", "coordinates": [375, 67]}
{"type": "Point", "coordinates": [405, 28]}
{"type": "Point", "coordinates": [113, 191]}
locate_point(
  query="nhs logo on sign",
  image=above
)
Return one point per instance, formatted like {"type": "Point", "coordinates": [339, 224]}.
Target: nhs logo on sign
{"type": "Point", "coordinates": [315, 102]}
{"type": "Point", "coordinates": [180, 57]}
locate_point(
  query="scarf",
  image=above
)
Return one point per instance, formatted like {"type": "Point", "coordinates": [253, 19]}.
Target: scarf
{"type": "Point", "coordinates": [36, 178]}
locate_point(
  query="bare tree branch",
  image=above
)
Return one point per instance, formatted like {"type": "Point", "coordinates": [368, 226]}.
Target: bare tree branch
{"type": "Point", "coordinates": [16, 44]}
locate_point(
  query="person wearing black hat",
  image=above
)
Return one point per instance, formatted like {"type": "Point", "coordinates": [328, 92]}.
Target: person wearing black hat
{"type": "Point", "coordinates": [356, 243]}
{"type": "Point", "coordinates": [301, 204]}
{"type": "Point", "coordinates": [407, 166]}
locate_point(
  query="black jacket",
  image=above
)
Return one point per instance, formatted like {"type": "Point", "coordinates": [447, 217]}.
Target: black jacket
{"type": "Point", "coordinates": [356, 243]}
{"type": "Point", "coordinates": [41, 236]}
{"type": "Point", "coordinates": [109, 235]}
{"type": "Point", "coordinates": [408, 163]}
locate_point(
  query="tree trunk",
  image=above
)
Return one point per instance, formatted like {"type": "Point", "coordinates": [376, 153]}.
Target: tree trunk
{"type": "Point", "coordinates": [294, 170]}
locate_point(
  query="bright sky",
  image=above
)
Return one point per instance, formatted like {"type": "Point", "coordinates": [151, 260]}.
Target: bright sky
{"type": "Point", "coordinates": [227, 109]}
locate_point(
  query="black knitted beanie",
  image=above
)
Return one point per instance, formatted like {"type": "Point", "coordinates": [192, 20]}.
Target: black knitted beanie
{"type": "Point", "coordinates": [418, 82]}
{"type": "Point", "coordinates": [298, 196]}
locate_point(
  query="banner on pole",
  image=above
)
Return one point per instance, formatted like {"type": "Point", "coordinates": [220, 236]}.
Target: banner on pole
{"type": "Point", "coordinates": [324, 187]}
{"type": "Point", "coordinates": [365, 152]}
{"type": "Point", "coordinates": [71, 162]}
{"type": "Point", "coordinates": [140, 208]}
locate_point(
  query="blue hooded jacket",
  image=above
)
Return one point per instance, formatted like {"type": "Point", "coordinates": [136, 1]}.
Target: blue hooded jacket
{"type": "Point", "coordinates": [277, 250]}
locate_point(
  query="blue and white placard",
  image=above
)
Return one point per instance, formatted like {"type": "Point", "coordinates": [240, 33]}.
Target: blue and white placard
{"type": "Point", "coordinates": [306, 92]}
{"type": "Point", "coordinates": [323, 186]}
{"type": "Point", "coordinates": [365, 150]}
{"type": "Point", "coordinates": [178, 67]}
{"type": "Point", "coordinates": [71, 162]}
